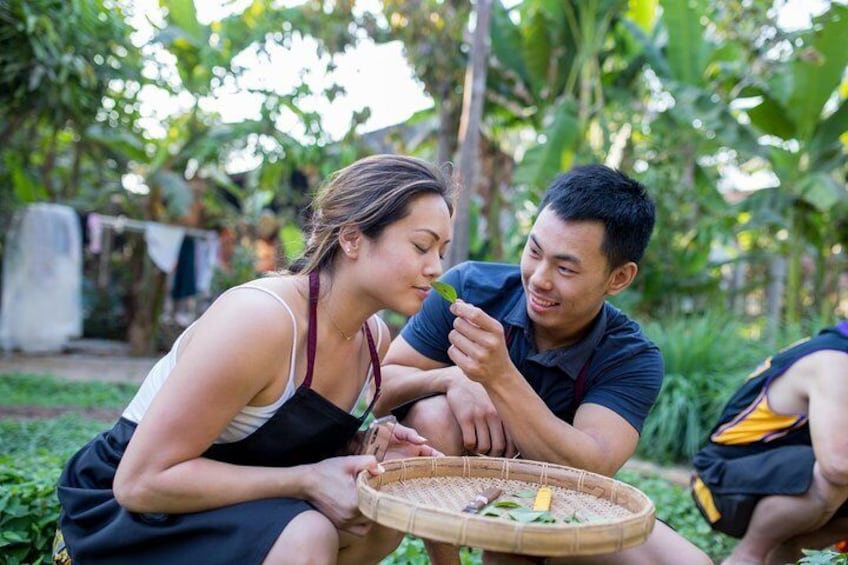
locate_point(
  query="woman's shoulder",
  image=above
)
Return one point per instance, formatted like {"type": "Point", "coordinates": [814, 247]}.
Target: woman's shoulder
{"type": "Point", "coordinates": [256, 307]}
{"type": "Point", "coordinates": [286, 290]}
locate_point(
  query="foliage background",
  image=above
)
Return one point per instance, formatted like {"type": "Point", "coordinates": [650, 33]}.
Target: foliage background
{"type": "Point", "coordinates": [696, 100]}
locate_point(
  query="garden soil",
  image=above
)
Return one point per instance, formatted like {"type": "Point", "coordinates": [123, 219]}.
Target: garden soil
{"type": "Point", "coordinates": [86, 360]}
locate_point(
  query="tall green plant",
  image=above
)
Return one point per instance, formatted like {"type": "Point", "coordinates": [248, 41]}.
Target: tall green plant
{"type": "Point", "coordinates": [58, 62]}
{"type": "Point", "coordinates": [802, 109]}
{"type": "Point", "coordinates": [706, 357]}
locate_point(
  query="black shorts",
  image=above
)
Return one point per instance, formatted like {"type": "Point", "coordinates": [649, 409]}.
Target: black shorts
{"type": "Point", "coordinates": [726, 491]}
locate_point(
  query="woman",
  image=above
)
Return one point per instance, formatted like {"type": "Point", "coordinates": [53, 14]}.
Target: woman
{"type": "Point", "coordinates": [229, 451]}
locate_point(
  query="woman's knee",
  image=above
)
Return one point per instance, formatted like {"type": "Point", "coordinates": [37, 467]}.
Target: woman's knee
{"type": "Point", "coordinates": [309, 539]}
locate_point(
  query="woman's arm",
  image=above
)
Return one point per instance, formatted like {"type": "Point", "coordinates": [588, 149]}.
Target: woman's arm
{"type": "Point", "coordinates": [238, 350]}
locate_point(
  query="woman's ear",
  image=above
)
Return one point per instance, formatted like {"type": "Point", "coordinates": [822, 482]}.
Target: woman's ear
{"type": "Point", "coordinates": [621, 277]}
{"type": "Point", "coordinates": [349, 239]}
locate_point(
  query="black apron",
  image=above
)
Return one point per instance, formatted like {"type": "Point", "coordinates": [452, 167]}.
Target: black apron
{"type": "Point", "coordinates": [307, 428]}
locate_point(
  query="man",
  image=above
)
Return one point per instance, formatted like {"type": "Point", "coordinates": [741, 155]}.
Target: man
{"type": "Point", "coordinates": [775, 470]}
{"type": "Point", "coordinates": [532, 359]}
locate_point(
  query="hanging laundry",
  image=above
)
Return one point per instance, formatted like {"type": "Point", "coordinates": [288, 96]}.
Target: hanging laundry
{"type": "Point", "coordinates": [94, 227]}
{"type": "Point", "coordinates": [42, 279]}
{"type": "Point", "coordinates": [163, 244]}
{"type": "Point", "coordinates": [206, 261]}
{"type": "Point", "coordinates": [185, 275]}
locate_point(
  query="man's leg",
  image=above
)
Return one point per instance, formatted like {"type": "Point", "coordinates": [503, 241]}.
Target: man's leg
{"type": "Point", "coordinates": [663, 547]}
{"type": "Point", "coordinates": [790, 550]}
{"type": "Point", "coordinates": [433, 419]}
{"type": "Point", "coordinates": [777, 519]}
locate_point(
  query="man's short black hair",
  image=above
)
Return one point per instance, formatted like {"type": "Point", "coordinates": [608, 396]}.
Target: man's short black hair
{"type": "Point", "coordinates": [599, 193]}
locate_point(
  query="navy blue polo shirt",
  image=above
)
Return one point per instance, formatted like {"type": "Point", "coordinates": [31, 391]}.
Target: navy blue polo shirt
{"type": "Point", "coordinates": [624, 371]}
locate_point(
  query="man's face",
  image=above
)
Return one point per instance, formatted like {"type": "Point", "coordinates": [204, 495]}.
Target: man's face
{"type": "Point", "coordinates": [565, 275]}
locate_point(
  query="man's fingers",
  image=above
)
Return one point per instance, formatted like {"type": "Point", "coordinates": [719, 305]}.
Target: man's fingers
{"type": "Point", "coordinates": [510, 450]}
{"type": "Point", "coordinates": [469, 434]}
{"type": "Point", "coordinates": [496, 433]}
{"type": "Point", "coordinates": [484, 441]}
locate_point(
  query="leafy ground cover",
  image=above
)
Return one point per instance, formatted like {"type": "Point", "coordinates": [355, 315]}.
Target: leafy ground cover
{"type": "Point", "coordinates": [34, 450]}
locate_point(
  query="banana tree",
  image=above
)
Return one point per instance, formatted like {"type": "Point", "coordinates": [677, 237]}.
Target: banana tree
{"type": "Point", "coordinates": [804, 113]}
{"type": "Point", "coordinates": [189, 163]}
{"type": "Point", "coordinates": [60, 65]}
{"type": "Point", "coordinates": [549, 75]}
{"type": "Point", "coordinates": [685, 110]}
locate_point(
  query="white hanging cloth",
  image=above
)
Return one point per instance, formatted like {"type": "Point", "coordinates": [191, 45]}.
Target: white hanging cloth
{"type": "Point", "coordinates": [42, 279]}
{"type": "Point", "coordinates": [163, 244]}
{"type": "Point", "coordinates": [206, 261]}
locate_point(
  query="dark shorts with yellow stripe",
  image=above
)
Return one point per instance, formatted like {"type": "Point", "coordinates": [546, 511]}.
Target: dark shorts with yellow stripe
{"type": "Point", "coordinates": [726, 490]}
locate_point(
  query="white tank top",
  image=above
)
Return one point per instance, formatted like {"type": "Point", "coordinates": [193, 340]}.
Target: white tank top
{"type": "Point", "coordinates": [250, 418]}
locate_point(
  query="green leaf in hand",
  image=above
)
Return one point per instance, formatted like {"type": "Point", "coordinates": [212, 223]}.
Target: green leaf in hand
{"type": "Point", "coordinates": [445, 290]}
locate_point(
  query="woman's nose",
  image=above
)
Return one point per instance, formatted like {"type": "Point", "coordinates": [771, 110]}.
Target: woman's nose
{"type": "Point", "coordinates": [433, 268]}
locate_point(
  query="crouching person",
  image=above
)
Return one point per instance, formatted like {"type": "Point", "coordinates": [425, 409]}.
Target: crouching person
{"type": "Point", "coordinates": [775, 470]}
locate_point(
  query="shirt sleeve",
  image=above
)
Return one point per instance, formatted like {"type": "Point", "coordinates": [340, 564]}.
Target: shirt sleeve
{"type": "Point", "coordinates": [631, 387]}
{"type": "Point", "coordinates": [427, 331]}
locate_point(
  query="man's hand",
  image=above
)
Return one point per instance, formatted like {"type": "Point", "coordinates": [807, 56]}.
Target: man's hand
{"type": "Point", "coordinates": [483, 431]}
{"type": "Point", "coordinates": [479, 351]}
{"type": "Point", "coordinates": [477, 345]}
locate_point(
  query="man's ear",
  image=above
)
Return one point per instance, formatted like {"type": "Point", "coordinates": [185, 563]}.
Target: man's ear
{"type": "Point", "coordinates": [621, 277]}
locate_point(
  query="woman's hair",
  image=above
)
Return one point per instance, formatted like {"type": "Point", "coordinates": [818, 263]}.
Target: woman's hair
{"type": "Point", "coordinates": [370, 194]}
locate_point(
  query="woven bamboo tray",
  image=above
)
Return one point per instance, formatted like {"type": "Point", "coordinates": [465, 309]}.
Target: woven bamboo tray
{"type": "Point", "coordinates": [424, 496]}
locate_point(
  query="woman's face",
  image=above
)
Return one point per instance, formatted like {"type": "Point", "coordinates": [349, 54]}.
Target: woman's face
{"type": "Point", "coordinates": [401, 263]}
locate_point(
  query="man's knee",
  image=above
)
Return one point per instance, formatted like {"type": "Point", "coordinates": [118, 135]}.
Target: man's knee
{"type": "Point", "coordinates": [433, 419]}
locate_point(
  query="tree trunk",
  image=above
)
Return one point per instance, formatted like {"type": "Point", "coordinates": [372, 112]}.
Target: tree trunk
{"type": "Point", "coordinates": [149, 297]}
{"type": "Point", "coordinates": [448, 126]}
{"type": "Point", "coordinates": [469, 129]}
{"type": "Point", "coordinates": [774, 294]}
{"type": "Point", "coordinates": [794, 279]}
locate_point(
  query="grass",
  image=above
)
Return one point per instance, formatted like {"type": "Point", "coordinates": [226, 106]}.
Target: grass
{"type": "Point", "coordinates": [61, 436]}
{"type": "Point", "coordinates": [21, 389]}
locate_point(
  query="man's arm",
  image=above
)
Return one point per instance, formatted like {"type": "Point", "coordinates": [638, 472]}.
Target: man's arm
{"type": "Point", "coordinates": [828, 397]}
{"type": "Point", "coordinates": [407, 375]}
{"type": "Point", "coordinates": [600, 440]}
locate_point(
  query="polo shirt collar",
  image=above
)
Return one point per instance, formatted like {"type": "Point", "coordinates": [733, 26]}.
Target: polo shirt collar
{"type": "Point", "coordinates": [571, 358]}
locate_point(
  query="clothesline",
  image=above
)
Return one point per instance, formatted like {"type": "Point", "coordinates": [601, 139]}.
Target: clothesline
{"type": "Point", "coordinates": [121, 223]}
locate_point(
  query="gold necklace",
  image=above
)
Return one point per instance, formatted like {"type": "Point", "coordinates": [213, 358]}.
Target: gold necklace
{"type": "Point", "coordinates": [335, 325]}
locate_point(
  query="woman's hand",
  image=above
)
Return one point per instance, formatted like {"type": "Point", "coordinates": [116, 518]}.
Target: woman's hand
{"type": "Point", "coordinates": [332, 490]}
{"type": "Point", "coordinates": [406, 442]}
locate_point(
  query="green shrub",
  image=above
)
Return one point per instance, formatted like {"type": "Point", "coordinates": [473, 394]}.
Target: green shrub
{"type": "Point", "coordinates": [706, 358]}
{"type": "Point", "coordinates": [34, 453]}
{"type": "Point", "coordinates": [43, 390]}
{"type": "Point", "coordinates": [28, 506]}
{"type": "Point", "coordinates": [826, 557]}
